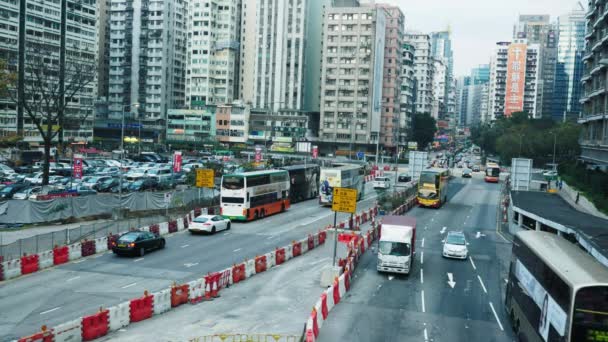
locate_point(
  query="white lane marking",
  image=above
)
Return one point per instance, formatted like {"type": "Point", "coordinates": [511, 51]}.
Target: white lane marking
{"type": "Point", "coordinates": [422, 296]}
{"type": "Point", "coordinates": [191, 264]}
{"type": "Point", "coordinates": [53, 309]}
{"type": "Point", "coordinates": [390, 277]}
{"type": "Point", "coordinates": [496, 316]}
{"type": "Point", "coordinates": [138, 260]}
{"type": "Point", "coordinates": [426, 335]}
{"type": "Point", "coordinates": [127, 286]}
{"type": "Point", "coordinates": [313, 221]}
{"type": "Point", "coordinates": [482, 285]}
{"type": "Point", "coordinates": [184, 246]}
{"type": "Point", "coordinates": [79, 261]}
{"type": "Point", "coordinates": [422, 242]}
{"type": "Point", "coordinates": [236, 250]}
{"type": "Point", "coordinates": [270, 237]}
{"type": "Point", "coordinates": [421, 258]}
{"type": "Point", "coordinates": [318, 261]}
{"type": "Point", "coordinates": [472, 263]}
{"type": "Point", "coordinates": [421, 276]}
{"type": "Point", "coordinates": [225, 234]}
{"type": "Point", "coordinates": [74, 278]}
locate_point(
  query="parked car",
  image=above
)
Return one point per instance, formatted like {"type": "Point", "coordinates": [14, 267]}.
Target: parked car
{"type": "Point", "coordinates": [144, 184]}
{"type": "Point", "coordinates": [476, 168]}
{"type": "Point", "coordinates": [109, 171]}
{"type": "Point", "coordinates": [93, 182]}
{"type": "Point", "coordinates": [455, 246]}
{"type": "Point", "coordinates": [208, 224]}
{"type": "Point", "coordinates": [467, 173]}
{"type": "Point", "coordinates": [191, 166]}
{"type": "Point", "coordinates": [25, 193]}
{"type": "Point", "coordinates": [404, 178]}
{"type": "Point", "coordinates": [108, 184]}
{"type": "Point", "coordinates": [137, 243]}
{"type": "Point", "coordinates": [6, 169]}
{"type": "Point", "coordinates": [10, 190]}
{"type": "Point", "coordinates": [382, 183]}
{"type": "Point", "coordinates": [161, 174]}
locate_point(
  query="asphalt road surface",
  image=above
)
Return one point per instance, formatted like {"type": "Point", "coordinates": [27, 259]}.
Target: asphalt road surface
{"type": "Point", "coordinates": [60, 294]}
{"type": "Point", "coordinates": [423, 306]}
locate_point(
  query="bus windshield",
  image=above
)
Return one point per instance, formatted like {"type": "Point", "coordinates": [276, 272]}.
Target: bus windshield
{"type": "Point", "coordinates": [428, 178]}
{"type": "Point", "coordinates": [493, 172]}
{"type": "Point", "coordinates": [233, 182]}
{"type": "Point", "coordinates": [590, 321]}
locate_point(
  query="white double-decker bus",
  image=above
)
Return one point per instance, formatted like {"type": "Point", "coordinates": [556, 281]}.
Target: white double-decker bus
{"type": "Point", "coordinates": [251, 195]}
{"type": "Point", "coordinates": [344, 176]}
{"type": "Point", "coordinates": [556, 291]}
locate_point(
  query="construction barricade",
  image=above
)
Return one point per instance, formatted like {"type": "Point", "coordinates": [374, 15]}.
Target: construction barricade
{"type": "Point", "coordinates": [225, 279]}
{"type": "Point", "coordinates": [11, 269]}
{"type": "Point", "coordinates": [70, 331]}
{"type": "Point", "coordinates": [186, 223]}
{"type": "Point", "coordinates": [120, 316]}
{"type": "Point", "coordinates": [172, 226]}
{"type": "Point", "coordinates": [197, 212]}
{"type": "Point", "coordinates": [180, 224]}
{"type": "Point", "coordinates": [311, 242]}
{"type": "Point", "coordinates": [197, 290]}
{"type": "Point", "coordinates": [41, 336]}
{"type": "Point", "coordinates": [336, 292]}
{"type": "Point", "coordinates": [60, 255]}
{"type": "Point", "coordinates": [322, 237]}
{"type": "Point", "coordinates": [260, 264]}
{"type": "Point", "coordinates": [238, 273]}
{"type": "Point", "coordinates": [162, 301]}
{"type": "Point", "coordinates": [163, 228]}
{"type": "Point", "coordinates": [296, 249]}
{"type": "Point", "coordinates": [74, 251]}
{"type": "Point", "coordinates": [249, 268]}
{"type": "Point", "coordinates": [211, 285]}
{"type": "Point", "coordinates": [341, 226]}
{"type": "Point", "coordinates": [95, 326]}
{"type": "Point", "coordinates": [303, 246]}
{"type": "Point", "coordinates": [270, 260]}
{"type": "Point", "coordinates": [87, 248]}
{"type": "Point", "coordinates": [279, 256]}
{"type": "Point", "coordinates": [141, 308]}
{"type": "Point", "coordinates": [45, 259]}
{"type": "Point", "coordinates": [29, 264]}
{"type": "Point", "coordinates": [101, 244]}
{"type": "Point", "coordinates": [112, 240]}
{"type": "Point", "coordinates": [179, 295]}
{"type": "Point", "coordinates": [154, 229]}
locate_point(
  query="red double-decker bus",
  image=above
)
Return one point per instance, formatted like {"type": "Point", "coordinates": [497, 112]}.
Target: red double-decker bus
{"type": "Point", "coordinates": [492, 173]}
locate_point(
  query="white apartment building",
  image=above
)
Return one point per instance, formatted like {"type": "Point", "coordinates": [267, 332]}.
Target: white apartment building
{"type": "Point", "coordinates": [408, 88]}
{"type": "Point", "coordinates": [212, 52]}
{"type": "Point", "coordinates": [498, 82]}
{"type": "Point", "coordinates": [42, 38]}
{"type": "Point", "coordinates": [147, 57]}
{"type": "Point", "coordinates": [439, 88]}
{"type": "Point", "coordinates": [352, 76]}
{"type": "Point", "coordinates": [424, 69]}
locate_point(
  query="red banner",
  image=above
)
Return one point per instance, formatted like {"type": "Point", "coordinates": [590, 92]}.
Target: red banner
{"type": "Point", "coordinates": [315, 152]}
{"type": "Point", "coordinates": [177, 161]}
{"type": "Point", "coordinates": [77, 167]}
{"type": "Point", "coordinates": [258, 154]}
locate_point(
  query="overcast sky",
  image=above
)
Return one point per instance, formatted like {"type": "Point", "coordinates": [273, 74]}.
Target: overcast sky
{"type": "Point", "coordinates": [476, 24]}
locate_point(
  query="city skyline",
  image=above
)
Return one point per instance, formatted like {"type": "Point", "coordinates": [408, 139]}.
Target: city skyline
{"type": "Point", "coordinates": [473, 46]}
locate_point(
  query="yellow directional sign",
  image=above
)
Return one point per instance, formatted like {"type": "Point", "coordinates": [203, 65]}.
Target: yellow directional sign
{"type": "Point", "coordinates": [204, 178]}
{"type": "Point", "coordinates": [345, 200]}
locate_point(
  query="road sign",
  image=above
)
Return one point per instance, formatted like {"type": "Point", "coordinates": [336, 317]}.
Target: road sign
{"type": "Point", "coordinates": [204, 178]}
{"type": "Point", "coordinates": [345, 200]}
{"type": "Point", "coordinates": [360, 155]}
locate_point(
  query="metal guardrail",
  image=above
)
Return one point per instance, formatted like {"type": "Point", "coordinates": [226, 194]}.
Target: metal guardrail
{"type": "Point", "coordinates": [247, 338]}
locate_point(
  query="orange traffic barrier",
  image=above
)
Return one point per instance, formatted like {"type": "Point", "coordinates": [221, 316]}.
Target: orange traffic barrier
{"type": "Point", "coordinates": [224, 279]}
{"type": "Point", "coordinates": [322, 237]}
{"type": "Point", "coordinates": [172, 226]}
{"type": "Point", "coordinates": [279, 256]}
{"type": "Point", "coordinates": [41, 336]}
{"type": "Point", "coordinates": [60, 255]}
{"type": "Point", "coordinates": [238, 273]}
{"type": "Point", "coordinates": [260, 264]}
{"type": "Point", "coordinates": [347, 280]}
{"type": "Point", "coordinates": [141, 308]}
{"type": "Point", "coordinates": [95, 326]}
{"type": "Point", "coordinates": [341, 225]}
{"type": "Point", "coordinates": [179, 294]}
{"type": "Point", "coordinates": [296, 249]}
{"type": "Point", "coordinates": [211, 285]}
{"type": "Point", "coordinates": [311, 242]}
{"type": "Point", "coordinates": [29, 264]}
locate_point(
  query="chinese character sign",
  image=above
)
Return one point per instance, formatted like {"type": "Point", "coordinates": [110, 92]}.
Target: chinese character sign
{"type": "Point", "coordinates": [516, 78]}
{"type": "Point", "coordinates": [77, 167]}
{"type": "Point", "coordinates": [177, 161]}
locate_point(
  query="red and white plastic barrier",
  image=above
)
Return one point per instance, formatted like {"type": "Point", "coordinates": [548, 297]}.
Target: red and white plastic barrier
{"type": "Point", "coordinates": [162, 301]}
{"type": "Point", "coordinates": [74, 251]}
{"type": "Point", "coordinates": [120, 316]}
{"type": "Point", "coordinates": [11, 269]}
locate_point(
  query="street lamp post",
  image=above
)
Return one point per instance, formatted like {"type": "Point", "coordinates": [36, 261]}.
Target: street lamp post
{"type": "Point", "coordinates": [122, 147]}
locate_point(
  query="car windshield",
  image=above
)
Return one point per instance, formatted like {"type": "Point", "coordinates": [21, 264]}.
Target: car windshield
{"type": "Point", "coordinates": [129, 237]}
{"type": "Point", "coordinates": [7, 190]}
{"type": "Point", "coordinates": [138, 183]}
{"type": "Point", "coordinates": [394, 248]}
{"type": "Point", "coordinates": [455, 239]}
{"type": "Point", "coordinates": [201, 219]}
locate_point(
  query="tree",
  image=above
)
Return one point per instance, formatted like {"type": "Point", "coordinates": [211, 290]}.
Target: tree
{"type": "Point", "coordinates": [45, 101]}
{"type": "Point", "coordinates": [7, 78]}
{"type": "Point", "coordinates": [424, 128]}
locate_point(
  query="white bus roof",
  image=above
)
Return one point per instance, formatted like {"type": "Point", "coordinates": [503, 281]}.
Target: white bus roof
{"type": "Point", "coordinates": [342, 167]}
{"type": "Point", "coordinates": [255, 173]}
{"type": "Point", "coordinates": [435, 169]}
{"type": "Point", "coordinates": [573, 264]}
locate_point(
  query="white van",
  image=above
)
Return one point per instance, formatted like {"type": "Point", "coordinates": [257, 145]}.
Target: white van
{"type": "Point", "coordinates": [382, 183]}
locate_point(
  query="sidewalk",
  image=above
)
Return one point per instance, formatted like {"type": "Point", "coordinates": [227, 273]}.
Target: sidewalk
{"type": "Point", "coordinates": [584, 205]}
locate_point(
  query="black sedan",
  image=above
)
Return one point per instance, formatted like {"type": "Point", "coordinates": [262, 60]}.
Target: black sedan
{"type": "Point", "coordinates": [137, 243]}
{"type": "Point", "coordinates": [144, 184]}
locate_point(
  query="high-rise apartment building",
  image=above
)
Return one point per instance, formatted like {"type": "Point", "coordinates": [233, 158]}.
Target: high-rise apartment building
{"type": "Point", "coordinates": [439, 89]}
{"type": "Point", "coordinates": [42, 35]}
{"type": "Point", "coordinates": [441, 48]}
{"type": "Point", "coordinates": [498, 81]}
{"type": "Point", "coordinates": [391, 88]}
{"type": "Point", "coordinates": [424, 69]}
{"type": "Point", "coordinates": [103, 54]}
{"type": "Point", "coordinates": [594, 136]}
{"type": "Point", "coordinates": [537, 29]}
{"type": "Point", "coordinates": [212, 52]}
{"type": "Point", "coordinates": [408, 91]}
{"type": "Point", "coordinates": [569, 67]}
{"type": "Point", "coordinates": [522, 88]}
{"type": "Point", "coordinates": [148, 58]}
{"type": "Point", "coordinates": [352, 77]}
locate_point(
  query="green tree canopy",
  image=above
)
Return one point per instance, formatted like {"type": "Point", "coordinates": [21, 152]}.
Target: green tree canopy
{"type": "Point", "coordinates": [424, 128]}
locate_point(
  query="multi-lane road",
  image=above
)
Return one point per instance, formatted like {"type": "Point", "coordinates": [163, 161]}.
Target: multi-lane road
{"type": "Point", "coordinates": [66, 292]}
{"type": "Point", "coordinates": [424, 306]}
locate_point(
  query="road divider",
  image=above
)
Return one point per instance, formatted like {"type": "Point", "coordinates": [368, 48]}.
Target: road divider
{"type": "Point", "coordinates": [208, 287]}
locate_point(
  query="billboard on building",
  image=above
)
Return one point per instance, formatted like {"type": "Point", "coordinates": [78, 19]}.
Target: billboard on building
{"type": "Point", "coordinates": [378, 70]}
{"type": "Point", "coordinates": [516, 78]}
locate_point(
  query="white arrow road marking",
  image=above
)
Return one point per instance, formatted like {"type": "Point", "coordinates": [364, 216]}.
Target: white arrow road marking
{"type": "Point", "coordinates": [443, 230]}
{"type": "Point", "coordinates": [451, 281]}
{"type": "Point", "coordinates": [479, 235]}
{"type": "Point", "coordinates": [391, 277]}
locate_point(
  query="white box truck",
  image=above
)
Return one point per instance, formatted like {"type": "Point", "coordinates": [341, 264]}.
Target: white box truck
{"type": "Point", "coordinates": [397, 244]}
